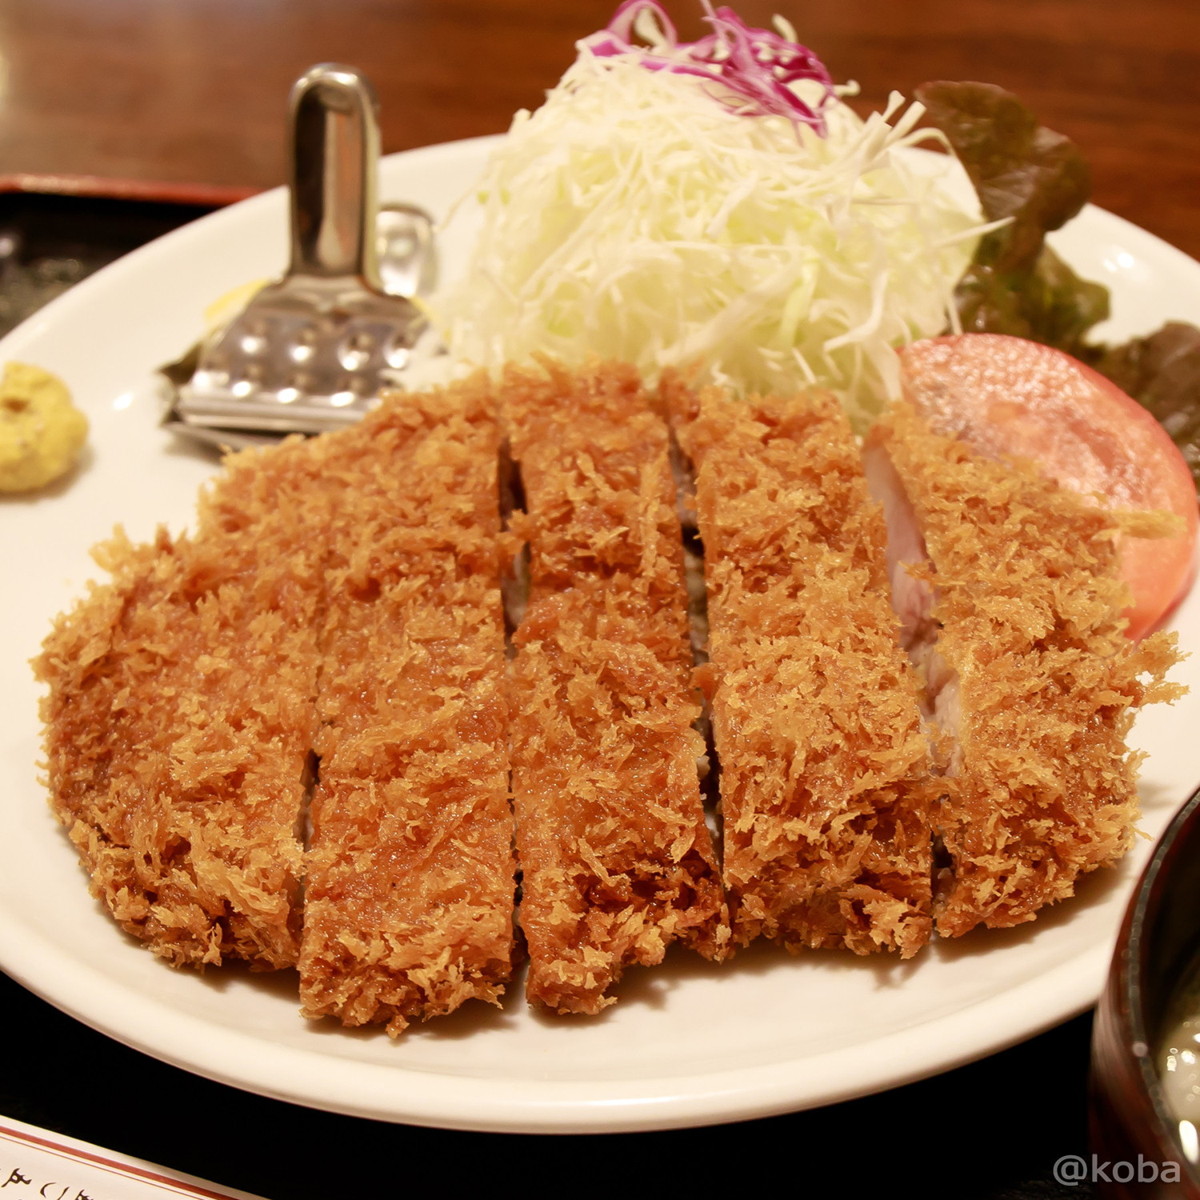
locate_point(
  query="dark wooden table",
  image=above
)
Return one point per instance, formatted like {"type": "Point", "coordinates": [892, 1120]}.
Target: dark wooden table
{"type": "Point", "coordinates": [191, 93]}
{"type": "Point", "coordinates": [185, 100]}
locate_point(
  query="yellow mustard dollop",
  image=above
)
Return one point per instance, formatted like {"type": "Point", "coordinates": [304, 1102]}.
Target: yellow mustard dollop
{"type": "Point", "coordinates": [41, 431]}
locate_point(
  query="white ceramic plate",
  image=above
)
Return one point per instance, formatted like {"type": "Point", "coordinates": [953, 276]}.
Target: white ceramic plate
{"type": "Point", "coordinates": [689, 1043]}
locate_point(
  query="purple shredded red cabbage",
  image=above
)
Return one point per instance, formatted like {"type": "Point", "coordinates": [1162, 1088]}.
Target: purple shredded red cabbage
{"type": "Point", "coordinates": [755, 67]}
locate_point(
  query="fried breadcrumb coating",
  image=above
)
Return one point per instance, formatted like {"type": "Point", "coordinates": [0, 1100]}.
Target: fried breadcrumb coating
{"type": "Point", "coordinates": [410, 874]}
{"type": "Point", "coordinates": [1037, 683]}
{"type": "Point", "coordinates": [339, 598]}
{"type": "Point", "coordinates": [297, 737]}
{"type": "Point", "coordinates": [180, 717]}
{"type": "Point", "coordinates": [616, 858]}
{"type": "Point", "coordinates": [823, 760]}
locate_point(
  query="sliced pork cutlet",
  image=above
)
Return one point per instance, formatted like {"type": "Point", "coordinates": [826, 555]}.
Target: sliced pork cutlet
{"type": "Point", "coordinates": [180, 716]}
{"type": "Point", "coordinates": [816, 724]}
{"type": "Point", "coordinates": [410, 872]}
{"type": "Point", "coordinates": [616, 859]}
{"type": "Point", "coordinates": [1012, 610]}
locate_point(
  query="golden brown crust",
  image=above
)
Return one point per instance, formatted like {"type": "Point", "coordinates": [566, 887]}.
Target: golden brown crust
{"type": "Point", "coordinates": [814, 706]}
{"type": "Point", "coordinates": [1042, 681]}
{"type": "Point", "coordinates": [410, 874]}
{"type": "Point", "coordinates": [340, 595]}
{"type": "Point", "coordinates": [617, 861]}
{"type": "Point", "coordinates": [179, 720]}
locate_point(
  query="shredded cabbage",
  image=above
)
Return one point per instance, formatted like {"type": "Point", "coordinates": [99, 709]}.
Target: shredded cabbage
{"type": "Point", "coordinates": [635, 217]}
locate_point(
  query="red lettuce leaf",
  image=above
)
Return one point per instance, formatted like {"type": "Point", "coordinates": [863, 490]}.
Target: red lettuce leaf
{"type": "Point", "coordinates": [1036, 180]}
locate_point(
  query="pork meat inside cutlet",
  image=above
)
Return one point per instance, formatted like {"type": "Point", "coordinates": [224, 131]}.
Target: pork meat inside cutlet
{"type": "Point", "coordinates": [823, 760]}
{"type": "Point", "coordinates": [1012, 606]}
{"type": "Point", "coordinates": [616, 858]}
{"type": "Point", "coordinates": [180, 716]}
{"type": "Point", "coordinates": [410, 873]}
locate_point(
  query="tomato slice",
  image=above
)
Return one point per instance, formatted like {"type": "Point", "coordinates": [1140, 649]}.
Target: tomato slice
{"type": "Point", "coordinates": [1010, 397]}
